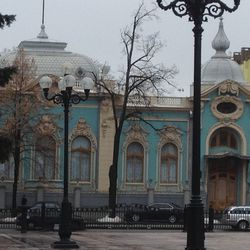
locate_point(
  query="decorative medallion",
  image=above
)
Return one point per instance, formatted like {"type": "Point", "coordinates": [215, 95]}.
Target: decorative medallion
{"type": "Point", "coordinates": [228, 88]}
{"type": "Point", "coordinates": [80, 72]}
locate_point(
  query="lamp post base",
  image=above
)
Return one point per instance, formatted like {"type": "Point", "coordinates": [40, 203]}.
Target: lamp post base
{"type": "Point", "coordinates": [62, 244]}
{"type": "Point", "coordinates": [195, 226]}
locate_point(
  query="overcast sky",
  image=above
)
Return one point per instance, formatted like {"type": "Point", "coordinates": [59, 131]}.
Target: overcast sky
{"type": "Point", "coordinates": [92, 28]}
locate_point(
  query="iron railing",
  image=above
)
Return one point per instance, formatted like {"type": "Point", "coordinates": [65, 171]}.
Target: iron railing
{"type": "Point", "coordinates": [98, 218]}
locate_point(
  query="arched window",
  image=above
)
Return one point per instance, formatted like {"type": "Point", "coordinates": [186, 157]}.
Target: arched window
{"type": "Point", "coordinates": [135, 162]}
{"type": "Point", "coordinates": [169, 161]}
{"type": "Point", "coordinates": [7, 169]}
{"type": "Point", "coordinates": [80, 159]}
{"type": "Point", "coordinates": [224, 137]}
{"type": "Point", "coordinates": [45, 158]}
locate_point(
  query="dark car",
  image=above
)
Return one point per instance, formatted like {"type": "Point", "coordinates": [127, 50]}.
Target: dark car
{"type": "Point", "coordinates": [47, 215]}
{"type": "Point", "coordinates": [165, 212]}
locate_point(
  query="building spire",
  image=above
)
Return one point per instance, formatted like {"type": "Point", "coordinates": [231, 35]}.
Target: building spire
{"type": "Point", "coordinates": [42, 34]}
{"type": "Point", "coordinates": [220, 42]}
{"type": "Point", "coordinates": [43, 13]}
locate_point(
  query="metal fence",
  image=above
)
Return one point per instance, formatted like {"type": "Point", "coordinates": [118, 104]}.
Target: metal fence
{"type": "Point", "coordinates": [98, 218]}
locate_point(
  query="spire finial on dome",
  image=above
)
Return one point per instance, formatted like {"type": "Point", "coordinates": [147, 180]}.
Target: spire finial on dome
{"type": "Point", "coordinates": [42, 33]}
{"type": "Point", "coordinates": [221, 42]}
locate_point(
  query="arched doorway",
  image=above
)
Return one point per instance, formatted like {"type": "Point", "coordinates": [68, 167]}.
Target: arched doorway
{"type": "Point", "coordinates": [225, 164]}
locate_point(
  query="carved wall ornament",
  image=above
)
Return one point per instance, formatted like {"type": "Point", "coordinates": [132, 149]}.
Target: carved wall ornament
{"type": "Point", "coordinates": [106, 125]}
{"type": "Point", "coordinates": [229, 88]}
{"type": "Point", "coordinates": [46, 126]}
{"type": "Point", "coordinates": [106, 105]}
{"type": "Point", "coordinates": [227, 108]}
{"type": "Point", "coordinates": [83, 129]}
{"type": "Point", "coordinates": [170, 134]}
{"type": "Point", "coordinates": [136, 133]}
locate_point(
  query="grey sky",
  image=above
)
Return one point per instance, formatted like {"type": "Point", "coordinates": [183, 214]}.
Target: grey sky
{"type": "Point", "coordinates": [92, 27]}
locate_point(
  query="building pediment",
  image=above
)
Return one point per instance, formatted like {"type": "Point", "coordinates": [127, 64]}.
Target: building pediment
{"type": "Point", "coordinates": [227, 87]}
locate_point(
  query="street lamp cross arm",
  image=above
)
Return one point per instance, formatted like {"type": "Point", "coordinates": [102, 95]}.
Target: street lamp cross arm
{"type": "Point", "coordinates": [179, 7]}
{"type": "Point", "coordinates": [216, 8]}
{"type": "Point", "coordinates": [75, 98]}
{"type": "Point", "coordinates": [198, 9]}
{"type": "Point", "coordinates": [57, 98]}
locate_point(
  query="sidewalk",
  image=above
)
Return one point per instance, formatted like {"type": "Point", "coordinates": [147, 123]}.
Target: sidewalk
{"type": "Point", "coordinates": [122, 240]}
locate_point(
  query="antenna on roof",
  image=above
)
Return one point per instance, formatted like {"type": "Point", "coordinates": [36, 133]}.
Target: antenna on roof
{"type": "Point", "coordinates": [42, 34]}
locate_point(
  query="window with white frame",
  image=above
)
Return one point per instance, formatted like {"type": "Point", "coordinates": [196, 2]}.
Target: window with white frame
{"type": "Point", "coordinates": [80, 159]}
{"type": "Point", "coordinates": [168, 165]}
{"type": "Point", "coordinates": [7, 169]}
{"type": "Point", "coordinates": [135, 163]}
{"type": "Point", "coordinates": [45, 158]}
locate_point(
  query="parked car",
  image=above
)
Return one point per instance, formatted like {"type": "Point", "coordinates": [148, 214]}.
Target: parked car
{"type": "Point", "coordinates": [237, 217]}
{"type": "Point", "coordinates": [165, 212]}
{"type": "Point", "coordinates": [36, 218]}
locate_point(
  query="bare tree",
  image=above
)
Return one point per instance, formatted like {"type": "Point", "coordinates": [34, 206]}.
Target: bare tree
{"type": "Point", "coordinates": [140, 78]}
{"type": "Point", "coordinates": [20, 104]}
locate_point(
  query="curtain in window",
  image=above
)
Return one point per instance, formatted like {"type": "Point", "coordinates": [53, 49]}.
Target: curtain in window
{"type": "Point", "coordinates": [168, 168]}
{"type": "Point", "coordinates": [135, 159]}
{"type": "Point", "coordinates": [45, 152]}
{"type": "Point", "coordinates": [80, 159]}
{"type": "Point", "coordinates": [7, 169]}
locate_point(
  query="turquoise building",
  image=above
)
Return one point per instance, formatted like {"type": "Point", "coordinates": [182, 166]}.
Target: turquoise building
{"type": "Point", "coordinates": [155, 161]}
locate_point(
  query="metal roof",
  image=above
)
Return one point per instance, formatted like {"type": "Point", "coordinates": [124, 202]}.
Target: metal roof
{"type": "Point", "coordinates": [221, 67]}
{"type": "Point", "coordinates": [50, 56]}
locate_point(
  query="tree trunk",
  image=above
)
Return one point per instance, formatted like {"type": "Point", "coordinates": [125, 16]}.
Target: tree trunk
{"type": "Point", "coordinates": [16, 168]}
{"type": "Point", "coordinates": [113, 174]}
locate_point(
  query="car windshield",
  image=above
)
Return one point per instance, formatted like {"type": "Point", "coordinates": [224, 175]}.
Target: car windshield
{"type": "Point", "coordinates": [161, 205]}
{"type": "Point", "coordinates": [47, 205]}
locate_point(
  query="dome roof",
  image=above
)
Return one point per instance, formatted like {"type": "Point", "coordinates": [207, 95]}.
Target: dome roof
{"type": "Point", "coordinates": [221, 67]}
{"type": "Point", "coordinates": [50, 57]}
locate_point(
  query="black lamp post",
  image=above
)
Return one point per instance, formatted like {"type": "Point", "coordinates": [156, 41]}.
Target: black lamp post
{"type": "Point", "coordinates": [66, 97]}
{"type": "Point", "coordinates": [198, 11]}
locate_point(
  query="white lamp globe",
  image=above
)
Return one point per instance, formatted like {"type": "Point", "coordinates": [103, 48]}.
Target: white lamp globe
{"type": "Point", "coordinates": [69, 81]}
{"type": "Point", "coordinates": [45, 82]}
{"type": "Point", "coordinates": [87, 83]}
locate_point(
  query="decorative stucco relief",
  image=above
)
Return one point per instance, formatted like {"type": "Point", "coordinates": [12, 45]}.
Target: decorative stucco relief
{"type": "Point", "coordinates": [136, 133]}
{"type": "Point", "coordinates": [170, 134]}
{"type": "Point", "coordinates": [228, 87]}
{"type": "Point", "coordinates": [83, 129]}
{"type": "Point", "coordinates": [46, 126]}
{"type": "Point", "coordinates": [106, 105]}
{"type": "Point", "coordinates": [107, 117]}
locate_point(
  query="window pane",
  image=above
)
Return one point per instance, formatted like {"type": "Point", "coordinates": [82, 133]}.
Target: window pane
{"type": "Point", "coordinates": [168, 167]}
{"type": "Point", "coordinates": [224, 137]}
{"type": "Point", "coordinates": [80, 159]}
{"type": "Point", "coordinates": [45, 152]}
{"type": "Point", "coordinates": [135, 159]}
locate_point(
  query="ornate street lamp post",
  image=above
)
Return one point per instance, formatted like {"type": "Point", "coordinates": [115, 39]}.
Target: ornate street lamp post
{"type": "Point", "coordinates": [198, 11]}
{"type": "Point", "coordinates": [66, 97]}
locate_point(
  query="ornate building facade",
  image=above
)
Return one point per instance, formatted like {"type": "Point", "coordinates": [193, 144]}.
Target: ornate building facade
{"type": "Point", "coordinates": [154, 164]}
